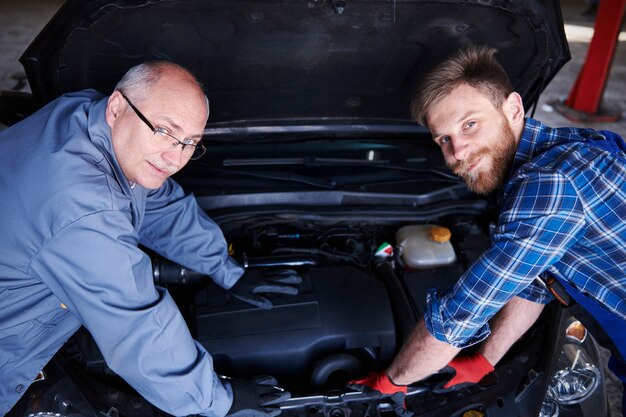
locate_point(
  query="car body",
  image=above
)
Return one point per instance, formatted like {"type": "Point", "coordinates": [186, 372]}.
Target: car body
{"type": "Point", "coordinates": [314, 165]}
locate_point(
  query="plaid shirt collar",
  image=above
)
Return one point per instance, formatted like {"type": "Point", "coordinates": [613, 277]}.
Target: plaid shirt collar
{"type": "Point", "coordinates": [536, 138]}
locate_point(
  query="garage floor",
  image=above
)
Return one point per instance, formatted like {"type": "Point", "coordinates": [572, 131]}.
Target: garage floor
{"type": "Point", "coordinates": [21, 20]}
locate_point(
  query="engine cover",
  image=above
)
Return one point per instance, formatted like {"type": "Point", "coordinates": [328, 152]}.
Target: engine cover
{"type": "Point", "coordinates": [339, 310]}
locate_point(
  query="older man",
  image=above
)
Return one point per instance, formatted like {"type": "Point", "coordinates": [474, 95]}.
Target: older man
{"type": "Point", "coordinates": [84, 181]}
{"type": "Point", "coordinates": [563, 219]}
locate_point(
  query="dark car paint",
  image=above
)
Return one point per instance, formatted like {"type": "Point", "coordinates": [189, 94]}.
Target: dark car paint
{"type": "Point", "coordinates": [286, 60]}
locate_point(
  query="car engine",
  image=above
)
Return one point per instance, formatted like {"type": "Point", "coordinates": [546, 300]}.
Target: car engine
{"type": "Point", "coordinates": [352, 312]}
{"type": "Point", "coordinates": [354, 308]}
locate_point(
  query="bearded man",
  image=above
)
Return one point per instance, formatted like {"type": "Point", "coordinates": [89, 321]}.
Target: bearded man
{"type": "Point", "coordinates": [562, 220]}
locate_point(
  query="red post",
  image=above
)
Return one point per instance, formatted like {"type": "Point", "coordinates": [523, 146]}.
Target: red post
{"type": "Point", "coordinates": [586, 94]}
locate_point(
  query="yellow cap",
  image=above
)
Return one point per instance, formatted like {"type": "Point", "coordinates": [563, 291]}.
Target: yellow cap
{"type": "Point", "coordinates": [440, 234]}
{"type": "Point", "coordinates": [473, 413]}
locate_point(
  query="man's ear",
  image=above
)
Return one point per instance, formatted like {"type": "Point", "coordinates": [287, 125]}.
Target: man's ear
{"type": "Point", "coordinates": [114, 106]}
{"type": "Point", "coordinates": [513, 108]}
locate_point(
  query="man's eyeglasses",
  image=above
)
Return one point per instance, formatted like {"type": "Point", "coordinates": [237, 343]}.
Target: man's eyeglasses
{"type": "Point", "coordinates": [163, 139]}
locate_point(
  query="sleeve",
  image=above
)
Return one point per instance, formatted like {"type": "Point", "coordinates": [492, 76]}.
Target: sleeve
{"type": "Point", "coordinates": [95, 268]}
{"type": "Point", "coordinates": [541, 219]}
{"type": "Point", "coordinates": [175, 227]}
{"type": "Point", "coordinates": [536, 292]}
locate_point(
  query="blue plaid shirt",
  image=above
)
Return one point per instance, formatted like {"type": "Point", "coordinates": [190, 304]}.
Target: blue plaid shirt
{"type": "Point", "coordinates": [563, 213]}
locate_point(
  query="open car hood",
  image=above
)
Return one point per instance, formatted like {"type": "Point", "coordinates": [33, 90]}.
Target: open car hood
{"type": "Point", "coordinates": [296, 59]}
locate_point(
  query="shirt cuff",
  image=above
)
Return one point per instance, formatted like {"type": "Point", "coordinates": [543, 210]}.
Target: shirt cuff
{"type": "Point", "coordinates": [228, 274]}
{"type": "Point", "coordinates": [222, 399]}
{"type": "Point", "coordinates": [443, 325]}
{"type": "Point", "coordinates": [536, 292]}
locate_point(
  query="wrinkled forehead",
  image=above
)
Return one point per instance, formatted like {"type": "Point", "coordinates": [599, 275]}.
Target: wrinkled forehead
{"type": "Point", "coordinates": [178, 98]}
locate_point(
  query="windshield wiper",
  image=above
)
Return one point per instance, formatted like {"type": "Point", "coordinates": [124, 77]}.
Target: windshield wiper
{"type": "Point", "coordinates": [284, 176]}
{"type": "Point", "coordinates": [321, 162]}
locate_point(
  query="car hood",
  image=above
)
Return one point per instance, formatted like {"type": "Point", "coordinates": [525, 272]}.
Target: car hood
{"type": "Point", "coordinates": [294, 60]}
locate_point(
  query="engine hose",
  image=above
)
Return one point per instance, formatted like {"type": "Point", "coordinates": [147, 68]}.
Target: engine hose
{"type": "Point", "coordinates": [340, 364]}
{"type": "Point", "coordinates": [403, 311]}
{"type": "Point", "coordinates": [320, 253]}
{"type": "Point", "coordinates": [284, 260]}
{"type": "Point", "coordinates": [168, 272]}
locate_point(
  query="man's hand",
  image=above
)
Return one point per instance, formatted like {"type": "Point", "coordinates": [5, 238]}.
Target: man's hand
{"type": "Point", "coordinates": [258, 397]}
{"type": "Point", "coordinates": [254, 282]}
{"type": "Point", "coordinates": [469, 369]}
{"type": "Point", "coordinates": [377, 382]}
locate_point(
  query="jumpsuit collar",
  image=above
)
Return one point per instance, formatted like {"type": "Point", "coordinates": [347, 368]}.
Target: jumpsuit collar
{"type": "Point", "coordinates": [100, 135]}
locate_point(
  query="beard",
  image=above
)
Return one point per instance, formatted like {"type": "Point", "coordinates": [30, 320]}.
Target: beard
{"type": "Point", "coordinates": [501, 154]}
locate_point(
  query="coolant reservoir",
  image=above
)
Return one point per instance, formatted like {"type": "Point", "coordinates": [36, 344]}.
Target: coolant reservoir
{"type": "Point", "coordinates": [425, 246]}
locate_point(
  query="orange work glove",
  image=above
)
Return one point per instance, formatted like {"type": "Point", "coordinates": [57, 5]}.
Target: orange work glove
{"type": "Point", "coordinates": [469, 369]}
{"type": "Point", "coordinates": [380, 384]}
{"type": "Point", "coordinates": [377, 381]}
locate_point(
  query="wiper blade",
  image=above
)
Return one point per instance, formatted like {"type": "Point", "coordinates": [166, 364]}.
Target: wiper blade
{"type": "Point", "coordinates": [320, 162]}
{"type": "Point", "coordinates": [285, 176]}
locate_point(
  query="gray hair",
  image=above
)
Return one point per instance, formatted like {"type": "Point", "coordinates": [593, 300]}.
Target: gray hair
{"type": "Point", "coordinates": [139, 80]}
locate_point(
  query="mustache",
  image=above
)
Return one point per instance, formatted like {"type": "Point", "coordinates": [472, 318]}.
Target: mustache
{"type": "Point", "coordinates": [164, 166]}
{"type": "Point", "coordinates": [459, 167]}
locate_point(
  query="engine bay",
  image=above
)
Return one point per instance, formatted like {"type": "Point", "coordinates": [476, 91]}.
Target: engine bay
{"type": "Point", "coordinates": [357, 302]}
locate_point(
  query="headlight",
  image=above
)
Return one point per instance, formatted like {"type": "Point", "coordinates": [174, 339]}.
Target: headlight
{"type": "Point", "coordinates": [569, 386]}
{"type": "Point", "coordinates": [577, 375]}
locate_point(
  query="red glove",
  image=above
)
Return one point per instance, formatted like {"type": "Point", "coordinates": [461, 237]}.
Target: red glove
{"type": "Point", "coordinates": [469, 369]}
{"type": "Point", "coordinates": [377, 381]}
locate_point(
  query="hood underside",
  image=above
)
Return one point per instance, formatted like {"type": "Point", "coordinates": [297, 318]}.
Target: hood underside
{"type": "Point", "coordinates": [296, 59]}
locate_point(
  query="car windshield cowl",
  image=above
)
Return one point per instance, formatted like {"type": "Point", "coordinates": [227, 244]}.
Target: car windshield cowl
{"type": "Point", "coordinates": [290, 130]}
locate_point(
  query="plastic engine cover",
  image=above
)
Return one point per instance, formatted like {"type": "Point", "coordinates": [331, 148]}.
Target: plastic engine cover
{"type": "Point", "coordinates": [338, 309]}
